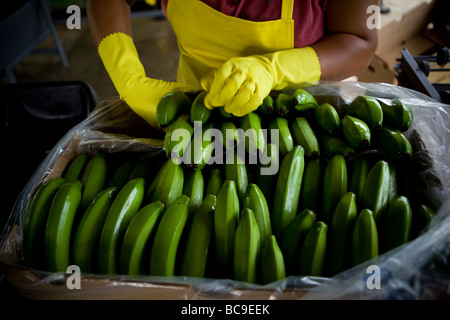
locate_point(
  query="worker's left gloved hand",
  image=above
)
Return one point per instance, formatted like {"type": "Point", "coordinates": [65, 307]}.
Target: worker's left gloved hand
{"type": "Point", "coordinates": [241, 84]}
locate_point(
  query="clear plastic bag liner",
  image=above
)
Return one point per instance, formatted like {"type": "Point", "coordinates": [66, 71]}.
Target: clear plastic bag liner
{"type": "Point", "coordinates": [415, 270]}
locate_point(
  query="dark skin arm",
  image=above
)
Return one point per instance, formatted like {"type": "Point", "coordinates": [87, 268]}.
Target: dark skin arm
{"type": "Point", "coordinates": [348, 46]}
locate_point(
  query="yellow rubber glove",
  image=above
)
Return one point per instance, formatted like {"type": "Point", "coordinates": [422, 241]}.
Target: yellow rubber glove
{"type": "Point", "coordinates": [241, 83]}
{"type": "Point", "coordinates": [142, 94]}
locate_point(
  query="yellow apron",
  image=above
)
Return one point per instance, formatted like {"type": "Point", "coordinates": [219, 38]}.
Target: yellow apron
{"type": "Point", "coordinates": [207, 38]}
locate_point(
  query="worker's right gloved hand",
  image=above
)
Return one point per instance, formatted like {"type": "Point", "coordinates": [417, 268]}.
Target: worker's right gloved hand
{"type": "Point", "coordinates": [142, 94]}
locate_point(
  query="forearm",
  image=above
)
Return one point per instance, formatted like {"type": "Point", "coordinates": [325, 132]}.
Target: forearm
{"type": "Point", "coordinates": [108, 16]}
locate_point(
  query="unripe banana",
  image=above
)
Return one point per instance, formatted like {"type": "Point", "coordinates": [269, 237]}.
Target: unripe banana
{"type": "Point", "coordinates": [214, 183]}
{"type": "Point", "coordinates": [199, 241]}
{"type": "Point", "coordinates": [303, 101]}
{"type": "Point", "coordinates": [332, 145]}
{"type": "Point", "coordinates": [398, 222]}
{"type": "Point", "coordinates": [395, 144]}
{"type": "Point", "coordinates": [236, 170]}
{"type": "Point", "coordinates": [311, 191]}
{"type": "Point", "coordinates": [125, 206]}
{"type": "Point", "coordinates": [194, 187]}
{"type": "Point", "coordinates": [397, 114]}
{"type": "Point", "coordinates": [121, 174]}
{"type": "Point", "coordinates": [356, 132]}
{"type": "Point", "coordinates": [230, 134]}
{"type": "Point", "coordinates": [93, 179]}
{"type": "Point", "coordinates": [246, 248]}
{"type": "Point", "coordinates": [59, 226]}
{"type": "Point", "coordinates": [293, 237]}
{"type": "Point", "coordinates": [226, 219]}
{"type": "Point", "coordinates": [287, 192]}
{"type": "Point", "coordinates": [225, 114]}
{"type": "Point", "coordinates": [170, 107]}
{"type": "Point", "coordinates": [168, 183]}
{"type": "Point", "coordinates": [267, 106]}
{"type": "Point", "coordinates": [328, 118]}
{"type": "Point", "coordinates": [199, 112]}
{"type": "Point", "coordinates": [282, 104]}
{"type": "Point", "coordinates": [254, 138]}
{"type": "Point", "coordinates": [422, 216]}
{"type": "Point", "coordinates": [136, 240]}
{"type": "Point", "coordinates": [393, 187]}
{"type": "Point", "coordinates": [201, 148]}
{"type": "Point", "coordinates": [285, 142]}
{"type": "Point", "coordinates": [178, 137]}
{"type": "Point", "coordinates": [358, 177]}
{"type": "Point", "coordinates": [88, 231]}
{"type": "Point", "coordinates": [341, 232]}
{"type": "Point", "coordinates": [334, 185]}
{"type": "Point", "coordinates": [364, 238]}
{"type": "Point", "coordinates": [167, 238]}
{"type": "Point", "coordinates": [305, 136]}
{"type": "Point", "coordinates": [312, 256]}
{"type": "Point", "coordinates": [35, 222]}
{"type": "Point", "coordinates": [272, 261]}
{"type": "Point", "coordinates": [267, 181]}
{"type": "Point", "coordinates": [254, 199]}
{"type": "Point", "coordinates": [375, 195]}
{"type": "Point", "coordinates": [368, 109]}
{"type": "Point", "coordinates": [76, 168]}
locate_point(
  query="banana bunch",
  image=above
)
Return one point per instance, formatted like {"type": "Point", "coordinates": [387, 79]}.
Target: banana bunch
{"type": "Point", "coordinates": [337, 199]}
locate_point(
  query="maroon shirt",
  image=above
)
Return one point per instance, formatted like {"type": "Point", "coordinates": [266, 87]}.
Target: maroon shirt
{"type": "Point", "coordinates": [308, 15]}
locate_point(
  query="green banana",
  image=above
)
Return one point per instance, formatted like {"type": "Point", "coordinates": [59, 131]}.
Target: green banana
{"type": "Point", "coordinates": [285, 140]}
{"type": "Point", "coordinates": [341, 229]}
{"type": "Point", "coordinates": [395, 144]}
{"type": "Point", "coordinates": [167, 237]}
{"type": "Point", "coordinates": [272, 261]}
{"type": "Point", "coordinates": [199, 241]}
{"type": "Point", "coordinates": [201, 148]}
{"type": "Point", "coordinates": [364, 238]}
{"type": "Point", "coordinates": [168, 183]}
{"type": "Point", "coordinates": [358, 176]}
{"type": "Point", "coordinates": [35, 221]}
{"type": "Point", "coordinates": [334, 185]}
{"type": "Point", "coordinates": [287, 192]}
{"type": "Point", "coordinates": [171, 106]}
{"type": "Point", "coordinates": [194, 187]}
{"type": "Point", "coordinates": [267, 106]}
{"type": "Point", "coordinates": [236, 170]}
{"type": "Point", "coordinates": [254, 199]}
{"type": "Point", "coordinates": [332, 145]}
{"type": "Point", "coordinates": [393, 187]}
{"type": "Point", "coordinates": [225, 114]}
{"type": "Point", "coordinates": [293, 237]}
{"type": "Point", "coordinates": [356, 132]}
{"type": "Point", "coordinates": [230, 134]}
{"type": "Point", "coordinates": [76, 168]}
{"type": "Point", "coordinates": [422, 216]}
{"type": "Point", "coordinates": [398, 222]}
{"type": "Point", "coordinates": [282, 104]}
{"type": "Point", "coordinates": [178, 137]}
{"type": "Point", "coordinates": [267, 181]}
{"type": "Point", "coordinates": [214, 183]}
{"type": "Point", "coordinates": [246, 248]}
{"type": "Point", "coordinates": [58, 231]}
{"type": "Point", "coordinates": [121, 174]}
{"type": "Point", "coordinates": [397, 114]}
{"type": "Point", "coordinates": [88, 231]}
{"type": "Point", "coordinates": [312, 256]}
{"type": "Point", "coordinates": [327, 118]}
{"type": "Point", "coordinates": [143, 169]}
{"type": "Point", "coordinates": [254, 138]}
{"type": "Point", "coordinates": [303, 101]}
{"type": "Point", "coordinates": [375, 194]}
{"type": "Point", "coordinates": [123, 209]}
{"type": "Point", "coordinates": [311, 191]}
{"type": "Point", "coordinates": [199, 112]}
{"type": "Point", "coordinates": [137, 238]}
{"type": "Point", "coordinates": [368, 109]}
{"type": "Point", "coordinates": [226, 219]}
{"type": "Point", "coordinates": [304, 135]}
{"type": "Point", "coordinates": [93, 179]}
